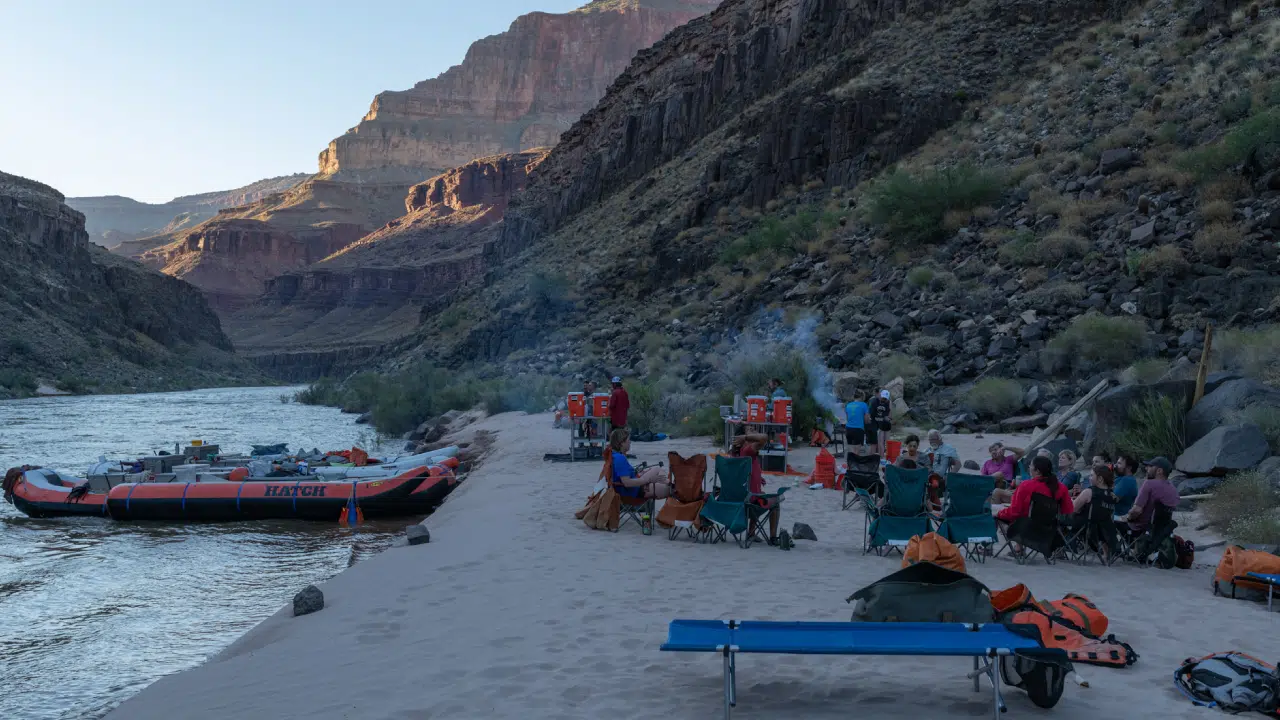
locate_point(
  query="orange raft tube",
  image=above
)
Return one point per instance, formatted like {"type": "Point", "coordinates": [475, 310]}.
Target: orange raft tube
{"type": "Point", "coordinates": [415, 492]}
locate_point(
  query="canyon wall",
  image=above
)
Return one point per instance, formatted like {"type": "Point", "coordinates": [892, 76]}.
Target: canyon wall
{"type": "Point", "coordinates": [514, 91]}
{"type": "Point", "coordinates": [72, 313]}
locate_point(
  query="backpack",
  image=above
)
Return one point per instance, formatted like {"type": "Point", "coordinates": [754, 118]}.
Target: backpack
{"type": "Point", "coordinates": [1073, 624]}
{"type": "Point", "coordinates": [1185, 551]}
{"type": "Point", "coordinates": [1232, 681]}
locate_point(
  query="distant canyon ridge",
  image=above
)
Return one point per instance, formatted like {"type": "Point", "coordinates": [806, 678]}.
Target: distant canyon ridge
{"type": "Point", "coordinates": [426, 169]}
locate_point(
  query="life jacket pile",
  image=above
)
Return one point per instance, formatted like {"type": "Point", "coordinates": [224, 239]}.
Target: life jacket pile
{"type": "Point", "coordinates": [1073, 624]}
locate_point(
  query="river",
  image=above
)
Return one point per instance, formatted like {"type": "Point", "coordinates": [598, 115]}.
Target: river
{"type": "Point", "coordinates": [92, 611]}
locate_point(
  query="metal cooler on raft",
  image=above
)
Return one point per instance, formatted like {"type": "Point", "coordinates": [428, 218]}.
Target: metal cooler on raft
{"type": "Point", "coordinates": [768, 417]}
{"type": "Point", "coordinates": [588, 425]}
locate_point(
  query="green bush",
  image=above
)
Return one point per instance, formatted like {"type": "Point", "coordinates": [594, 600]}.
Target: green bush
{"type": "Point", "coordinates": [920, 276]}
{"type": "Point", "coordinates": [774, 235]}
{"type": "Point", "coordinates": [73, 384]}
{"type": "Point", "coordinates": [895, 365]}
{"type": "Point", "coordinates": [644, 414]}
{"type": "Point", "coordinates": [1267, 418]}
{"type": "Point", "coordinates": [912, 208]}
{"type": "Point", "coordinates": [1258, 136]}
{"type": "Point", "coordinates": [1244, 509]}
{"type": "Point", "coordinates": [1112, 342]}
{"type": "Point", "coordinates": [1145, 372]}
{"type": "Point", "coordinates": [1251, 352]}
{"type": "Point", "coordinates": [1026, 249]}
{"type": "Point", "coordinates": [17, 382]}
{"type": "Point", "coordinates": [995, 397]}
{"type": "Point", "coordinates": [1156, 425]}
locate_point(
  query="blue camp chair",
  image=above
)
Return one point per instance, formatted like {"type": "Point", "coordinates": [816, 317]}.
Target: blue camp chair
{"type": "Point", "coordinates": [902, 515]}
{"type": "Point", "coordinates": [966, 518]}
{"type": "Point", "coordinates": [730, 510]}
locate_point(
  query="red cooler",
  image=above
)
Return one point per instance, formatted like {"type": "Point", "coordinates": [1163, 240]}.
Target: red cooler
{"type": "Point", "coordinates": [600, 405]}
{"type": "Point", "coordinates": [757, 409]}
{"type": "Point", "coordinates": [782, 411]}
{"type": "Point", "coordinates": [577, 405]}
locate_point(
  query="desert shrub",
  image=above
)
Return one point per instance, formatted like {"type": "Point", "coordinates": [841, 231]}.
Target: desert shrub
{"type": "Point", "coordinates": [1155, 426]}
{"type": "Point", "coordinates": [73, 384]}
{"type": "Point", "coordinates": [453, 316]}
{"type": "Point", "coordinates": [1055, 295]}
{"type": "Point", "coordinates": [1109, 341]}
{"type": "Point", "coordinates": [16, 381]}
{"type": "Point", "coordinates": [1163, 261]}
{"type": "Point", "coordinates": [644, 413]}
{"type": "Point", "coordinates": [1026, 249]}
{"type": "Point", "coordinates": [901, 365]}
{"type": "Point", "coordinates": [1267, 418]}
{"type": "Point", "coordinates": [1251, 352]}
{"type": "Point", "coordinates": [995, 397]}
{"type": "Point", "coordinates": [1217, 211]}
{"type": "Point", "coordinates": [920, 276]}
{"type": "Point", "coordinates": [1145, 372]}
{"type": "Point", "coordinates": [325, 391]}
{"type": "Point", "coordinates": [929, 346]}
{"type": "Point", "coordinates": [774, 235]}
{"type": "Point", "coordinates": [1244, 509]}
{"type": "Point", "coordinates": [913, 207]}
{"type": "Point", "coordinates": [1258, 137]}
{"type": "Point", "coordinates": [1218, 240]}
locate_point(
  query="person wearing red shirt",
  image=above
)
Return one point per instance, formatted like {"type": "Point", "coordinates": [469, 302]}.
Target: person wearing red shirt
{"type": "Point", "coordinates": [619, 404]}
{"type": "Point", "coordinates": [1042, 482]}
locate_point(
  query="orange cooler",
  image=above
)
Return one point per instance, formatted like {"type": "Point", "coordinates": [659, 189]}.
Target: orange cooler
{"type": "Point", "coordinates": [577, 405]}
{"type": "Point", "coordinates": [600, 405]}
{"type": "Point", "coordinates": [757, 409]}
{"type": "Point", "coordinates": [782, 411]}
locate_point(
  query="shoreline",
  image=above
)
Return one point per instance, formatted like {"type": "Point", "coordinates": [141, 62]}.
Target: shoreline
{"type": "Point", "coordinates": [515, 609]}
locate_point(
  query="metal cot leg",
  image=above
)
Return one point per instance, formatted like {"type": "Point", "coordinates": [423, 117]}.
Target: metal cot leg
{"type": "Point", "coordinates": [977, 677]}
{"type": "Point", "coordinates": [727, 692]}
{"type": "Point", "coordinates": [733, 679]}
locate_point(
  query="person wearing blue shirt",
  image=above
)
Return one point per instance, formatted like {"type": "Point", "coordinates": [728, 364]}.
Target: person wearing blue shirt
{"type": "Point", "coordinates": [857, 415]}
{"type": "Point", "coordinates": [776, 390]}
{"type": "Point", "coordinates": [652, 483]}
{"type": "Point", "coordinates": [1126, 488]}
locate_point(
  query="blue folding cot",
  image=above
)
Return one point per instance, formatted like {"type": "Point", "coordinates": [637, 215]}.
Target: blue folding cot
{"type": "Point", "coordinates": [1271, 581]}
{"type": "Point", "coordinates": [978, 641]}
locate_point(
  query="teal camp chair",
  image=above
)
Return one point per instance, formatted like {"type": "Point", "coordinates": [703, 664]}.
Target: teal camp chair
{"type": "Point", "coordinates": [903, 514]}
{"type": "Point", "coordinates": [729, 510]}
{"type": "Point", "coordinates": [967, 520]}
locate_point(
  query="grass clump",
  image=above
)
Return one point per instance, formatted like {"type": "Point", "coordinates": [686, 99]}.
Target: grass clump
{"type": "Point", "coordinates": [1218, 240]}
{"type": "Point", "coordinates": [895, 365]}
{"type": "Point", "coordinates": [1267, 418]}
{"type": "Point", "coordinates": [995, 397]}
{"type": "Point", "coordinates": [1250, 352]}
{"type": "Point", "coordinates": [1112, 342]}
{"type": "Point", "coordinates": [1156, 425]}
{"type": "Point", "coordinates": [920, 276]}
{"type": "Point", "coordinates": [1026, 249]}
{"type": "Point", "coordinates": [1145, 372]}
{"type": "Point", "coordinates": [1245, 509]}
{"type": "Point", "coordinates": [1163, 261]}
{"type": "Point", "coordinates": [773, 236]}
{"type": "Point", "coordinates": [913, 208]}
{"type": "Point", "coordinates": [1257, 137]}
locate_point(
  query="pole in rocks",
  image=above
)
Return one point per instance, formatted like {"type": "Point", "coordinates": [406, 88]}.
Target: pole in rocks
{"type": "Point", "coordinates": [1202, 374]}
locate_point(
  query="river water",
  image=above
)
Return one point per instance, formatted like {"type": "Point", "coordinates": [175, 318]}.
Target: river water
{"type": "Point", "coordinates": [92, 611]}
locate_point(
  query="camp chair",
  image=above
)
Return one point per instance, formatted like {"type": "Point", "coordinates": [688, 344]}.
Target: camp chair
{"type": "Point", "coordinates": [1040, 532]}
{"type": "Point", "coordinates": [1097, 535]}
{"type": "Point", "coordinates": [639, 509]}
{"type": "Point", "coordinates": [1143, 546]}
{"type": "Point", "coordinates": [902, 515]}
{"type": "Point", "coordinates": [730, 510]}
{"type": "Point", "coordinates": [966, 520]}
{"type": "Point", "coordinates": [863, 474]}
{"type": "Point", "coordinates": [680, 511]}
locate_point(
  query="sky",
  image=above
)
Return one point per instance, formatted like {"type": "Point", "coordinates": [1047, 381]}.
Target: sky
{"type": "Point", "coordinates": [153, 99]}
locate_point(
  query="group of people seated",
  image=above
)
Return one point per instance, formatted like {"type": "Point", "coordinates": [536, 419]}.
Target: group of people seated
{"type": "Point", "coordinates": [654, 484]}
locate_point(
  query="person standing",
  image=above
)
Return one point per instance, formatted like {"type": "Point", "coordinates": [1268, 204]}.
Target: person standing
{"type": "Point", "coordinates": [619, 404]}
{"type": "Point", "coordinates": [881, 413]}
{"type": "Point", "coordinates": [776, 390]}
{"type": "Point", "coordinates": [857, 419]}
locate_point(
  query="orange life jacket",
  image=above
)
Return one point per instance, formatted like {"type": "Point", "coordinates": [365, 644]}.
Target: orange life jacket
{"type": "Point", "coordinates": [1073, 624]}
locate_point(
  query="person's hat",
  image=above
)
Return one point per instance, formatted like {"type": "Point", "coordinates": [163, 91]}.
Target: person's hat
{"type": "Point", "coordinates": [884, 394]}
{"type": "Point", "coordinates": [1160, 462]}
{"type": "Point", "coordinates": [616, 379]}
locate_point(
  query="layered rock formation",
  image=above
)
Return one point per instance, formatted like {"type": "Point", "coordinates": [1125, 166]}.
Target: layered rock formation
{"type": "Point", "coordinates": [363, 299]}
{"type": "Point", "coordinates": [112, 219]}
{"type": "Point", "coordinates": [75, 315]}
{"type": "Point", "coordinates": [514, 91]}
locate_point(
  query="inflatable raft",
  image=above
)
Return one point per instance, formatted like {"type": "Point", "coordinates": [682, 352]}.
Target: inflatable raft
{"type": "Point", "coordinates": [42, 492]}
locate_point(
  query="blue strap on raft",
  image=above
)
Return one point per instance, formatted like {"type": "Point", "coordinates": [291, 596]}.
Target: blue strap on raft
{"type": "Point", "coordinates": [729, 637]}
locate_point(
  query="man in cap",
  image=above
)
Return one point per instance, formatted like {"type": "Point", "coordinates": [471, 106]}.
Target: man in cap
{"type": "Point", "coordinates": [1157, 490]}
{"type": "Point", "coordinates": [619, 404]}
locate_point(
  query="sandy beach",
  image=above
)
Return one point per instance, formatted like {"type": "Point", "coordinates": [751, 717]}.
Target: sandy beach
{"type": "Point", "coordinates": [515, 609]}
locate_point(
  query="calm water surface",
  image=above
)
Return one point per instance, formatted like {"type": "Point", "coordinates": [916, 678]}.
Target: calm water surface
{"type": "Point", "coordinates": [92, 611]}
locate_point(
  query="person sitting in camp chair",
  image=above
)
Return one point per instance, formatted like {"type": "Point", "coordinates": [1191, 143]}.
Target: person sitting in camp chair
{"type": "Point", "coordinates": [749, 446]}
{"type": "Point", "coordinates": [1092, 529]}
{"type": "Point", "coordinates": [1016, 518]}
{"type": "Point", "coordinates": [652, 484]}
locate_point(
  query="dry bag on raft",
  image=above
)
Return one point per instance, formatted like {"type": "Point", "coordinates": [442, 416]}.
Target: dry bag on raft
{"type": "Point", "coordinates": [1072, 624]}
{"type": "Point", "coordinates": [1231, 681]}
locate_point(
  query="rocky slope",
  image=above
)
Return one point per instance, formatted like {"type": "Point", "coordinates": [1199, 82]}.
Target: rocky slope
{"type": "Point", "coordinates": [1072, 183]}
{"type": "Point", "coordinates": [514, 91]}
{"type": "Point", "coordinates": [112, 219]}
{"type": "Point", "coordinates": [75, 316]}
{"type": "Point", "coordinates": [358, 302]}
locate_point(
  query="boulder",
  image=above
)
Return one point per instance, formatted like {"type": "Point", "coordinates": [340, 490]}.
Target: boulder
{"type": "Point", "coordinates": [885, 318]}
{"type": "Point", "coordinates": [1116, 160]}
{"type": "Point", "coordinates": [801, 531]}
{"type": "Point", "coordinates": [309, 600]}
{"type": "Point", "coordinates": [1198, 485]}
{"type": "Point", "coordinates": [1223, 405]}
{"type": "Point", "coordinates": [1270, 469]}
{"type": "Point", "coordinates": [846, 384]}
{"type": "Point", "coordinates": [1023, 422]}
{"type": "Point", "coordinates": [418, 534]}
{"type": "Point", "coordinates": [1225, 449]}
{"type": "Point", "coordinates": [1143, 234]}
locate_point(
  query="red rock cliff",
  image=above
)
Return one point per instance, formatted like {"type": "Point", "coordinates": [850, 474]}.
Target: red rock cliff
{"type": "Point", "coordinates": [513, 91]}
